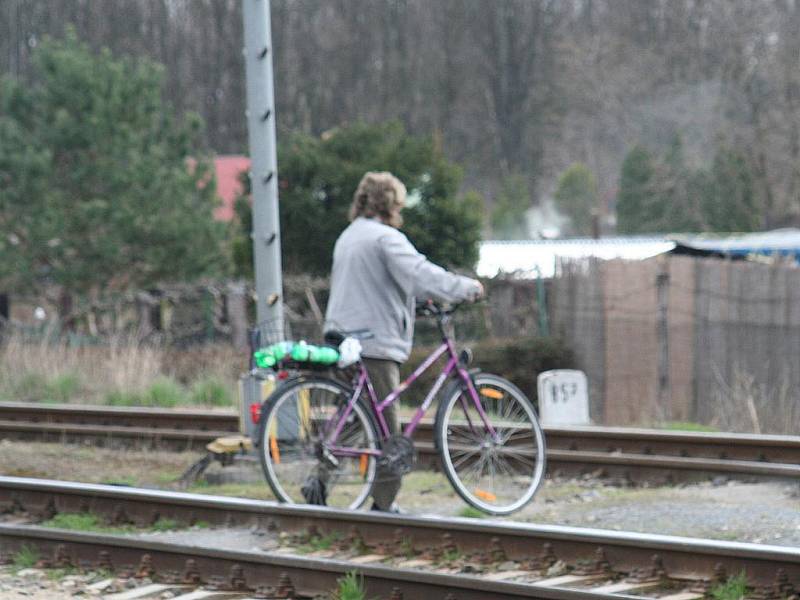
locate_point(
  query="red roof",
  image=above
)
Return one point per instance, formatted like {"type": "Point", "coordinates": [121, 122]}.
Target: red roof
{"type": "Point", "coordinates": [228, 170]}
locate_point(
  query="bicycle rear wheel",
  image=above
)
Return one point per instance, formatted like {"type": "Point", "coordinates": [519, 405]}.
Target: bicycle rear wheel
{"type": "Point", "coordinates": [497, 473]}
{"type": "Point", "coordinates": [298, 465]}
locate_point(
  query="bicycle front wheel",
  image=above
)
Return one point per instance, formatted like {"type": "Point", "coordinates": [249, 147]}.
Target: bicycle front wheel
{"type": "Point", "coordinates": [299, 465]}
{"type": "Point", "coordinates": [495, 461]}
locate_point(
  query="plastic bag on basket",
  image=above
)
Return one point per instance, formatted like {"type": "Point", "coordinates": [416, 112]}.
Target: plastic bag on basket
{"type": "Point", "coordinates": [349, 352]}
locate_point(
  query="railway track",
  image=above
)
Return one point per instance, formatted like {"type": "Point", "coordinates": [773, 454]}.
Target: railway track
{"type": "Point", "coordinates": [624, 453]}
{"type": "Point", "coordinates": [398, 556]}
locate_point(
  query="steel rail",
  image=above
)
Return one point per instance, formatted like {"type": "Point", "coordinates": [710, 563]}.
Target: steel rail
{"type": "Point", "coordinates": [122, 416]}
{"type": "Point", "coordinates": [310, 576]}
{"type": "Point", "coordinates": [680, 558]}
{"type": "Point", "coordinates": [629, 453]}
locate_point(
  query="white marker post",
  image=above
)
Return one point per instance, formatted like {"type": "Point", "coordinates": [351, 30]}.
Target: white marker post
{"type": "Point", "coordinates": [563, 397]}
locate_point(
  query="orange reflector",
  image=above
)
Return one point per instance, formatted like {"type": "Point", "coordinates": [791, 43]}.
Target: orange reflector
{"type": "Point", "coordinates": [490, 393]}
{"type": "Point", "coordinates": [273, 448]}
{"type": "Point", "coordinates": [484, 495]}
{"type": "Point", "coordinates": [362, 465]}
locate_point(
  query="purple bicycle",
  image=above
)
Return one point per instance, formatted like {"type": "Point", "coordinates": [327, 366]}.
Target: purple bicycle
{"type": "Point", "coordinates": [323, 441]}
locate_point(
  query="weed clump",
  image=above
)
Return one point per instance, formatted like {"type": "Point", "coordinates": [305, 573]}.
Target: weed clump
{"type": "Point", "coordinates": [351, 587]}
{"type": "Point", "coordinates": [735, 588]}
{"type": "Point", "coordinates": [25, 558]}
{"type": "Point", "coordinates": [471, 512]}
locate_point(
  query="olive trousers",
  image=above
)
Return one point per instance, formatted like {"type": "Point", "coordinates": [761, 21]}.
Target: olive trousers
{"type": "Point", "coordinates": [385, 377]}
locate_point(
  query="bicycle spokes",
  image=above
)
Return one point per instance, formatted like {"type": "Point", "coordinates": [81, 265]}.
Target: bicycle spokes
{"type": "Point", "coordinates": [495, 458]}
{"type": "Point", "coordinates": [300, 462]}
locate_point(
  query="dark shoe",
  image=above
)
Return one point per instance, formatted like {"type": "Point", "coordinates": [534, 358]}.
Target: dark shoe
{"type": "Point", "coordinates": [314, 491]}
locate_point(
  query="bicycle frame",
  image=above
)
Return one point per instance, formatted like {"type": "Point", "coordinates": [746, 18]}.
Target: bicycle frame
{"type": "Point", "coordinates": [452, 366]}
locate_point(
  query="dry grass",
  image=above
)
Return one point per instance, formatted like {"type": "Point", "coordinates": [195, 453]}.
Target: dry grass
{"type": "Point", "coordinates": [122, 371]}
{"type": "Point", "coordinates": [748, 406]}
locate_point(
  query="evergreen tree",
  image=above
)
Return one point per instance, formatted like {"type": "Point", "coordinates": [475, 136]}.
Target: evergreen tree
{"type": "Point", "coordinates": [667, 196]}
{"type": "Point", "coordinates": [508, 210]}
{"type": "Point", "coordinates": [318, 176]}
{"type": "Point", "coordinates": [102, 187]}
{"type": "Point", "coordinates": [635, 189]}
{"type": "Point", "coordinates": [241, 228]}
{"type": "Point", "coordinates": [576, 197]}
{"type": "Point", "coordinates": [673, 205]}
{"type": "Point", "coordinates": [729, 200]}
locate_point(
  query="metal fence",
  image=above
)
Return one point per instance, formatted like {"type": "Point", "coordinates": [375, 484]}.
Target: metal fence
{"type": "Point", "coordinates": [685, 339]}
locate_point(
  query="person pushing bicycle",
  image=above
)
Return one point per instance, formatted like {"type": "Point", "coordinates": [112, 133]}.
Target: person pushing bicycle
{"type": "Point", "coordinates": [377, 276]}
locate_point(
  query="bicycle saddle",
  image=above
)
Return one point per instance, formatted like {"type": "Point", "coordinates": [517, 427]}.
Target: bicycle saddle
{"type": "Point", "coordinates": [334, 337]}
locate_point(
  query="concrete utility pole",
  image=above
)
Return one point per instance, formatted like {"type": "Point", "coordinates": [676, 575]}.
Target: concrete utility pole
{"type": "Point", "coordinates": [263, 157]}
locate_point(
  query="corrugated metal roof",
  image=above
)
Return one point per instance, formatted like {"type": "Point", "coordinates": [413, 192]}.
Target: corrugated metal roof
{"type": "Point", "coordinates": [778, 241]}
{"type": "Point", "coordinates": [537, 258]}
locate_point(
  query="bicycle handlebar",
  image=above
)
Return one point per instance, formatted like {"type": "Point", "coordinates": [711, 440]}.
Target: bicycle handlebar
{"type": "Point", "coordinates": [432, 308]}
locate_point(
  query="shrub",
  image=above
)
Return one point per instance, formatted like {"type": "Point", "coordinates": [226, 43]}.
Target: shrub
{"type": "Point", "coordinates": [211, 391]}
{"type": "Point", "coordinates": [63, 388]}
{"type": "Point", "coordinates": [165, 392]}
{"type": "Point", "coordinates": [123, 398]}
{"type": "Point", "coordinates": [521, 360]}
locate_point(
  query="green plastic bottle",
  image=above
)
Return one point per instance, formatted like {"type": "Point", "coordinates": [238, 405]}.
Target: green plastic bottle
{"type": "Point", "coordinates": [264, 358]}
{"type": "Point", "coordinates": [323, 355]}
{"type": "Point", "coordinates": [268, 357]}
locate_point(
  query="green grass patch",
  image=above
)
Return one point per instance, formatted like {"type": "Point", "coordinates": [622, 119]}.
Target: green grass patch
{"type": "Point", "coordinates": [84, 522]}
{"type": "Point", "coordinates": [407, 548]}
{"type": "Point", "coordinates": [320, 542]}
{"type": "Point", "coordinates": [735, 588]}
{"type": "Point", "coordinates": [60, 573]}
{"type": "Point", "coordinates": [471, 512]}
{"type": "Point", "coordinates": [164, 392]}
{"type": "Point", "coordinates": [425, 482]}
{"type": "Point", "coordinates": [63, 388]}
{"type": "Point", "coordinates": [451, 556]}
{"type": "Point", "coordinates": [93, 523]}
{"type": "Point", "coordinates": [167, 477]}
{"type": "Point", "coordinates": [35, 387]}
{"type": "Point", "coordinates": [25, 558]}
{"type": "Point", "coordinates": [351, 587]}
{"type": "Point", "coordinates": [123, 398]}
{"type": "Point", "coordinates": [687, 426]}
{"type": "Point", "coordinates": [211, 392]}
{"type": "Point", "coordinates": [165, 525]}
{"type": "Point", "coordinates": [257, 491]}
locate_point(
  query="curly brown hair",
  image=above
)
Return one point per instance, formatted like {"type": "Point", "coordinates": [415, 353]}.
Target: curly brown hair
{"type": "Point", "coordinates": [379, 194]}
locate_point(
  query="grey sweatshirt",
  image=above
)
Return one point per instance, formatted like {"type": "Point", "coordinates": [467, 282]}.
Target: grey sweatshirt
{"type": "Point", "coordinates": [377, 275]}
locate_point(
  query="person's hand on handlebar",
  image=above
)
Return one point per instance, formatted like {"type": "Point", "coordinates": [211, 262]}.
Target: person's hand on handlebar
{"type": "Point", "coordinates": [480, 292]}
